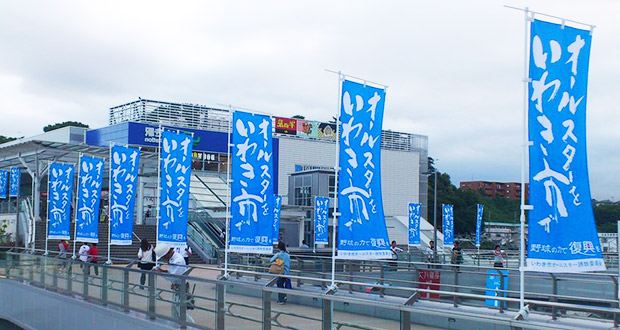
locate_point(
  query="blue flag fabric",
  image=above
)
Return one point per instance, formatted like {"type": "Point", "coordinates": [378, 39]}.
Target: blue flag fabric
{"type": "Point", "coordinates": [4, 178]}
{"type": "Point", "coordinates": [414, 224]}
{"type": "Point", "coordinates": [252, 188]}
{"type": "Point", "coordinates": [123, 183]}
{"type": "Point", "coordinates": [89, 197]}
{"type": "Point", "coordinates": [175, 175]}
{"type": "Point", "coordinates": [362, 233]}
{"type": "Point", "coordinates": [14, 182]}
{"type": "Point", "coordinates": [321, 210]}
{"type": "Point", "coordinates": [479, 213]}
{"type": "Point", "coordinates": [562, 232]}
{"type": "Point", "coordinates": [59, 194]}
{"type": "Point", "coordinates": [276, 219]}
{"type": "Point", "coordinates": [447, 213]}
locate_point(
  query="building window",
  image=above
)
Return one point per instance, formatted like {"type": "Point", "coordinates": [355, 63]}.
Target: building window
{"type": "Point", "coordinates": [303, 191]}
{"type": "Point", "coordinates": [331, 186]}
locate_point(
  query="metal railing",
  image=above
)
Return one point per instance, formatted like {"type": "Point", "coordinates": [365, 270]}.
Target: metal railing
{"type": "Point", "coordinates": [245, 297]}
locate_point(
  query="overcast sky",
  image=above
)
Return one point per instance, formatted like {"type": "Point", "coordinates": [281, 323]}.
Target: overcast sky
{"type": "Point", "coordinates": [454, 68]}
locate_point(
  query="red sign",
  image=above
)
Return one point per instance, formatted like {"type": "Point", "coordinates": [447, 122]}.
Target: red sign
{"type": "Point", "coordinates": [429, 279]}
{"type": "Point", "coordinates": [286, 125]}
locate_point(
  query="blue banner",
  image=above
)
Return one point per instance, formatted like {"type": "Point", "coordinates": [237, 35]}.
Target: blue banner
{"type": "Point", "coordinates": [496, 287]}
{"type": "Point", "coordinates": [252, 184]}
{"type": "Point", "coordinates": [14, 182]}
{"type": "Point", "coordinates": [59, 192]}
{"type": "Point", "coordinates": [123, 186]}
{"type": "Point", "coordinates": [321, 210]}
{"type": "Point", "coordinates": [4, 178]}
{"type": "Point", "coordinates": [89, 197]}
{"type": "Point", "coordinates": [276, 219]}
{"type": "Point", "coordinates": [174, 178]}
{"type": "Point", "coordinates": [447, 213]}
{"type": "Point", "coordinates": [562, 232]}
{"type": "Point", "coordinates": [414, 224]}
{"type": "Point", "coordinates": [362, 233]}
{"type": "Point", "coordinates": [479, 213]}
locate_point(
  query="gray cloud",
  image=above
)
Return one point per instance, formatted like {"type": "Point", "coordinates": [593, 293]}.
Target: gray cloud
{"type": "Point", "coordinates": [454, 68]}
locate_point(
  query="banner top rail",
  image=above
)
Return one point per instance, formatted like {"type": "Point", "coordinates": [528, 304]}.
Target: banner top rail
{"type": "Point", "coordinates": [364, 81]}
{"type": "Point", "coordinates": [562, 19]}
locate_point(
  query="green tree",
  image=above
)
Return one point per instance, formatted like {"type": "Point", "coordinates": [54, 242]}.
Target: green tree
{"type": "Point", "coordinates": [63, 124]}
{"type": "Point", "coordinates": [5, 139]}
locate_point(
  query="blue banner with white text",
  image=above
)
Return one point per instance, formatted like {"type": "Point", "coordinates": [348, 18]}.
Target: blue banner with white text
{"type": "Point", "coordinates": [175, 175]}
{"type": "Point", "coordinates": [89, 197]}
{"type": "Point", "coordinates": [479, 213]}
{"type": "Point", "coordinates": [59, 192]}
{"type": "Point", "coordinates": [251, 229]}
{"type": "Point", "coordinates": [276, 219]}
{"type": "Point", "coordinates": [124, 164]}
{"type": "Point", "coordinates": [362, 233]}
{"type": "Point", "coordinates": [414, 224]}
{"type": "Point", "coordinates": [4, 180]}
{"type": "Point", "coordinates": [321, 210]}
{"type": "Point", "coordinates": [14, 181]}
{"type": "Point", "coordinates": [562, 231]}
{"type": "Point", "coordinates": [447, 213]}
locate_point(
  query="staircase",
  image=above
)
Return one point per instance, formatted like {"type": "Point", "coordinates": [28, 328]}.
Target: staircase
{"type": "Point", "coordinates": [127, 252]}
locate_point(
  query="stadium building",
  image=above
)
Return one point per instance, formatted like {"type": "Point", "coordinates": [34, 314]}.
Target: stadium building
{"type": "Point", "coordinates": [303, 154]}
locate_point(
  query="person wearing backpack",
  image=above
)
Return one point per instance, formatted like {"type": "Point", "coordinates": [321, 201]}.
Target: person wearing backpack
{"type": "Point", "coordinates": [286, 262]}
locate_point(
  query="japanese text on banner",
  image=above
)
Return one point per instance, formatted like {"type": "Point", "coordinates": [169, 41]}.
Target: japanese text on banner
{"type": "Point", "coordinates": [362, 232]}
{"type": "Point", "coordinates": [414, 223]}
{"type": "Point", "coordinates": [175, 174]}
{"type": "Point", "coordinates": [252, 188]}
{"type": "Point", "coordinates": [447, 214]}
{"type": "Point", "coordinates": [89, 196]}
{"type": "Point", "coordinates": [321, 210]}
{"type": "Point", "coordinates": [60, 190]}
{"type": "Point", "coordinates": [276, 219]}
{"type": "Point", "coordinates": [123, 183]}
{"type": "Point", "coordinates": [562, 232]}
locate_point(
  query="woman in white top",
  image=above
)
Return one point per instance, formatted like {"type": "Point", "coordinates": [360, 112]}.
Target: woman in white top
{"type": "Point", "coordinates": [145, 254]}
{"type": "Point", "coordinates": [498, 254]}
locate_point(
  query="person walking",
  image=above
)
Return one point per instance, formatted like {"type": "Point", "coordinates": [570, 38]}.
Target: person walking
{"type": "Point", "coordinates": [147, 261]}
{"type": "Point", "coordinates": [92, 257]}
{"type": "Point", "coordinates": [63, 248]}
{"type": "Point", "coordinates": [185, 253]}
{"type": "Point", "coordinates": [395, 251]}
{"type": "Point", "coordinates": [457, 254]}
{"type": "Point", "coordinates": [83, 254]}
{"type": "Point", "coordinates": [498, 254]}
{"type": "Point", "coordinates": [429, 252]}
{"type": "Point", "coordinates": [282, 281]}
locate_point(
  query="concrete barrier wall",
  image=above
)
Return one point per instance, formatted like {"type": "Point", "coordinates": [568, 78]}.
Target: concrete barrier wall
{"type": "Point", "coordinates": [34, 308]}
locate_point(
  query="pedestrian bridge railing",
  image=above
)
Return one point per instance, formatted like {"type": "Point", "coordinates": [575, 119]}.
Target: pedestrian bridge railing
{"type": "Point", "coordinates": [245, 296]}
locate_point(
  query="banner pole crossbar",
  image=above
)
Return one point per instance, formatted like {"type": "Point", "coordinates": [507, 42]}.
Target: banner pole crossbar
{"type": "Point", "coordinates": [591, 26]}
{"type": "Point", "coordinates": [364, 81]}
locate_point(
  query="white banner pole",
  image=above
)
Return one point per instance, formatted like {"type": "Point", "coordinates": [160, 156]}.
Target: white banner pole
{"type": "Point", "coordinates": [526, 145]}
{"type": "Point", "coordinates": [47, 220]}
{"type": "Point", "coordinates": [336, 170]}
{"type": "Point", "coordinates": [75, 216]}
{"type": "Point", "coordinates": [229, 197]}
{"type": "Point", "coordinates": [109, 261]}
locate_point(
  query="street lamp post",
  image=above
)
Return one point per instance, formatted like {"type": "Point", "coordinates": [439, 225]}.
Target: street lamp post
{"type": "Point", "coordinates": [434, 213]}
{"type": "Point", "coordinates": [435, 219]}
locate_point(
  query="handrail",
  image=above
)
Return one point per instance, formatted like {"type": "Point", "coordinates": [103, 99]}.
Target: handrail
{"type": "Point", "coordinates": [395, 304]}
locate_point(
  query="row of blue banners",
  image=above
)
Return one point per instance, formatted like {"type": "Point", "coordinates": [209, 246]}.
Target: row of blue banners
{"type": "Point", "coordinates": [175, 166]}
{"type": "Point", "coordinates": [448, 224]}
{"type": "Point", "coordinates": [13, 182]}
